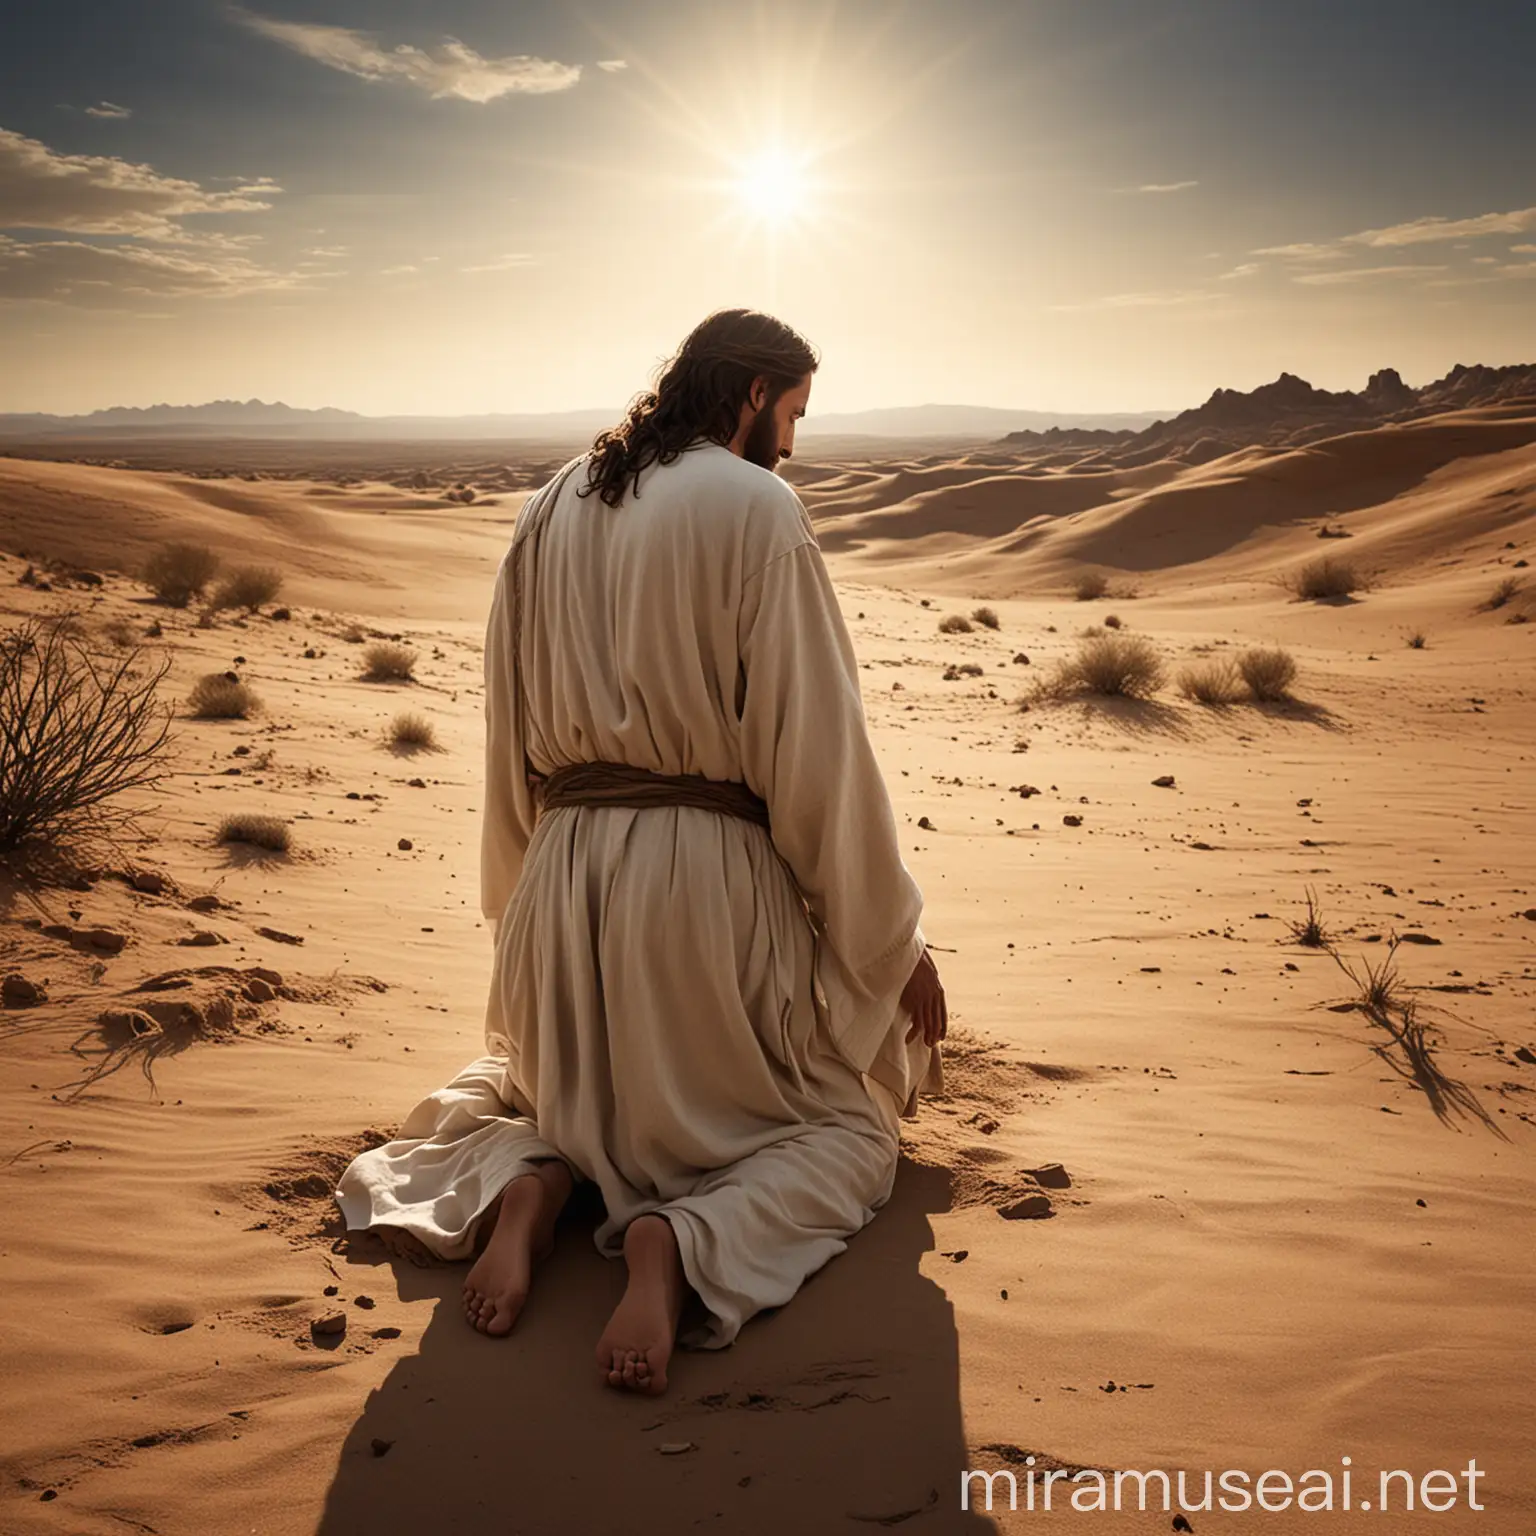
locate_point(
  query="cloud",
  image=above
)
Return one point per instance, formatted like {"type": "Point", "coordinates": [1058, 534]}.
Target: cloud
{"type": "Point", "coordinates": [1246, 269]}
{"type": "Point", "coordinates": [108, 109]}
{"type": "Point", "coordinates": [503, 263]}
{"type": "Point", "coordinates": [1524, 250]}
{"type": "Point", "coordinates": [612, 65]}
{"type": "Point", "coordinates": [102, 195]}
{"type": "Point", "coordinates": [451, 69]}
{"type": "Point", "coordinates": [1148, 300]}
{"type": "Point", "coordinates": [103, 276]}
{"type": "Point", "coordinates": [1363, 274]}
{"type": "Point", "coordinates": [401, 270]}
{"type": "Point", "coordinates": [1419, 231]}
{"type": "Point", "coordinates": [1166, 186]}
{"type": "Point", "coordinates": [1414, 232]}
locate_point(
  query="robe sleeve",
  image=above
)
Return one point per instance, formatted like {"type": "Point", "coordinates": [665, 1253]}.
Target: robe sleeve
{"type": "Point", "coordinates": [806, 750]}
{"type": "Point", "coordinates": [509, 812]}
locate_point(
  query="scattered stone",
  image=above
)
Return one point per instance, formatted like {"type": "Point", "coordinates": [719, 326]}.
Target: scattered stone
{"type": "Point", "coordinates": [404, 845]}
{"type": "Point", "coordinates": [1021, 660]}
{"type": "Point", "coordinates": [1027, 1209]}
{"type": "Point", "coordinates": [16, 991]}
{"type": "Point", "coordinates": [1023, 791]}
{"type": "Point", "coordinates": [1152, 970]}
{"type": "Point", "coordinates": [1071, 821]}
{"type": "Point", "coordinates": [385, 1333]}
{"type": "Point", "coordinates": [1416, 938]}
{"type": "Point", "coordinates": [148, 881]}
{"type": "Point", "coordinates": [278, 936]}
{"type": "Point", "coordinates": [1530, 913]}
{"type": "Point", "coordinates": [105, 940]}
{"type": "Point", "coordinates": [925, 824]}
{"type": "Point", "coordinates": [367, 1303]}
{"type": "Point", "coordinates": [380, 1447]}
{"type": "Point", "coordinates": [333, 1290]}
{"type": "Point", "coordinates": [1165, 782]}
{"type": "Point", "coordinates": [1051, 1175]}
{"type": "Point", "coordinates": [330, 1326]}
{"type": "Point", "coordinates": [676, 1447]}
{"type": "Point", "coordinates": [416, 783]}
{"type": "Point", "coordinates": [1526, 1054]}
{"type": "Point", "coordinates": [262, 973]}
{"type": "Point", "coordinates": [203, 939]}
{"type": "Point", "coordinates": [259, 991]}
{"type": "Point", "coordinates": [208, 903]}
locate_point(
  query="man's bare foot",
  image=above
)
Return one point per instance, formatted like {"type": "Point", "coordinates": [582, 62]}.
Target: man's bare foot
{"type": "Point", "coordinates": [497, 1285]}
{"type": "Point", "coordinates": [405, 1245]}
{"type": "Point", "coordinates": [637, 1343]}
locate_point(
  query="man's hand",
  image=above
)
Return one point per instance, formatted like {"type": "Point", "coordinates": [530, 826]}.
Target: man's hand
{"type": "Point", "coordinates": [923, 998]}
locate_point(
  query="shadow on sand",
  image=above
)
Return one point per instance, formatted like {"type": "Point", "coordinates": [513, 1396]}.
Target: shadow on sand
{"type": "Point", "coordinates": [838, 1412]}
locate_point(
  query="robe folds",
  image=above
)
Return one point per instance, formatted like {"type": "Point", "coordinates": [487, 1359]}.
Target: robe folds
{"type": "Point", "coordinates": [698, 1013]}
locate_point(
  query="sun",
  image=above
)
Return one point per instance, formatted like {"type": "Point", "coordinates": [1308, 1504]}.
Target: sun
{"type": "Point", "coordinates": [773, 187]}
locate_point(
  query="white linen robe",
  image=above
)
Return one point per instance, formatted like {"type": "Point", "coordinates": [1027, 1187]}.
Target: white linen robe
{"type": "Point", "coordinates": [701, 1016]}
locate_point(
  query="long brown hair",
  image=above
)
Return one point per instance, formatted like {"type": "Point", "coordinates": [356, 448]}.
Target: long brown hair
{"type": "Point", "coordinates": [699, 394]}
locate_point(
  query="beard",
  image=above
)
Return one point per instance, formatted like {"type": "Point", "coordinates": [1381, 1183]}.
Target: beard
{"type": "Point", "coordinates": [761, 446]}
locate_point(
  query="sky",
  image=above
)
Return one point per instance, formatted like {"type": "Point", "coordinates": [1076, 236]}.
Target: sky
{"type": "Point", "coordinates": [468, 206]}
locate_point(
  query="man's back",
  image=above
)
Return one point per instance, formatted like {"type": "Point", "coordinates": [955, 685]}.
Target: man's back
{"type": "Point", "coordinates": [631, 644]}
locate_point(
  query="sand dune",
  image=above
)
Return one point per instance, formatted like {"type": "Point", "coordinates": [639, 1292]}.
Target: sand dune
{"type": "Point", "coordinates": [1263, 1249]}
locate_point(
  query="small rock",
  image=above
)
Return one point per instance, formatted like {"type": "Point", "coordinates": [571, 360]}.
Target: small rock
{"type": "Point", "coordinates": [1021, 660]}
{"type": "Point", "coordinates": [404, 845]}
{"type": "Point", "coordinates": [1071, 821]}
{"type": "Point", "coordinates": [333, 1290]}
{"type": "Point", "coordinates": [104, 939]}
{"type": "Point", "coordinates": [149, 881]}
{"type": "Point", "coordinates": [208, 903]}
{"type": "Point", "coordinates": [1526, 1054]}
{"type": "Point", "coordinates": [16, 991]}
{"type": "Point", "coordinates": [203, 939]}
{"type": "Point", "coordinates": [330, 1326]}
{"type": "Point", "coordinates": [925, 824]}
{"type": "Point", "coordinates": [262, 973]}
{"type": "Point", "coordinates": [1030, 1207]}
{"type": "Point", "coordinates": [380, 1447]}
{"type": "Point", "coordinates": [1164, 782]}
{"type": "Point", "coordinates": [676, 1447]}
{"type": "Point", "coordinates": [385, 1333]}
{"type": "Point", "coordinates": [367, 1303]}
{"type": "Point", "coordinates": [278, 936]}
{"type": "Point", "coordinates": [259, 991]}
{"type": "Point", "coordinates": [1052, 1175]}
{"type": "Point", "coordinates": [417, 783]}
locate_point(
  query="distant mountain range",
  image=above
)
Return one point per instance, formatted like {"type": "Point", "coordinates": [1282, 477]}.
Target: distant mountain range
{"type": "Point", "coordinates": [1287, 413]}
{"type": "Point", "coordinates": [257, 418]}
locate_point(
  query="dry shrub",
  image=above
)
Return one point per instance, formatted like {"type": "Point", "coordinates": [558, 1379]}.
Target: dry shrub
{"type": "Point", "coordinates": [218, 696]}
{"type": "Point", "coordinates": [266, 832]}
{"type": "Point", "coordinates": [1214, 683]}
{"type": "Point", "coordinates": [76, 730]}
{"type": "Point", "coordinates": [386, 662]}
{"type": "Point", "coordinates": [954, 624]}
{"type": "Point", "coordinates": [1502, 594]}
{"type": "Point", "coordinates": [249, 587]}
{"type": "Point", "coordinates": [176, 573]}
{"type": "Point", "coordinates": [1090, 586]}
{"type": "Point", "coordinates": [1115, 666]}
{"type": "Point", "coordinates": [120, 633]}
{"type": "Point", "coordinates": [412, 733]}
{"type": "Point", "coordinates": [1416, 641]}
{"type": "Point", "coordinates": [986, 617]}
{"type": "Point", "coordinates": [1325, 577]}
{"type": "Point", "coordinates": [1268, 673]}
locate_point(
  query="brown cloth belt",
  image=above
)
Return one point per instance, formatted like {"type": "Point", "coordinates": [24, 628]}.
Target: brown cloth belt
{"type": "Point", "coordinates": [626, 784]}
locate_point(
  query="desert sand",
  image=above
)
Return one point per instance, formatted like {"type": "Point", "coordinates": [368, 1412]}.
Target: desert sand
{"type": "Point", "coordinates": [1263, 1248]}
